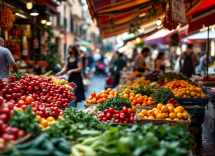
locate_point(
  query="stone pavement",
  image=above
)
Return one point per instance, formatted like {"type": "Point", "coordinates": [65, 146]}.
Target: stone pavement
{"type": "Point", "coordinates": [205, 143]}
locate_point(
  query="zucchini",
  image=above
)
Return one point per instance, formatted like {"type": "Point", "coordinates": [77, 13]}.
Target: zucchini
{"type": "Point", "coordinates": [36, 152]}
{"type": "Point", "coordinates": [48, 146]}
{"type": "Point", "coordinates": [39, 140]}
{"type": "Point", "coordinates": [64, 147]}
{"type": "Point", "coordinates": [25, 145]}
{"type": "Point", "coordinates": [58, 153]}
{"type": "Point", "coordinates": [56, 141]}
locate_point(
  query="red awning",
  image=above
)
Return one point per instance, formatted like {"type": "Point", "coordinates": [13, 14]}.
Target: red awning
{"type": "Point", "coordinates": [115, 16]}
{"type": "Point", "coordinates": [51, 5]}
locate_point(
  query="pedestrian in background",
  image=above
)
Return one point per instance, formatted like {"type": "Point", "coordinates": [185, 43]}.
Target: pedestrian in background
{"type": "Point", "coordinates": [190, 61]}
{"type": "Point", "coordinates": [73, 68]}
{"type": "Point", "coordinates": [204, 64]}
{"type": "Point", "coordinates": [159, 64]}
{"type": "Point", "coordinates": [6, 59]}
{"type": "Point", "coordinates": [91, 61]}
{"type": "Point", "coordinates": [84, 61]}
{"type": "Point", "coordinates": [119, 63]}
{"type": "Point", "coordinates": [140, 64]}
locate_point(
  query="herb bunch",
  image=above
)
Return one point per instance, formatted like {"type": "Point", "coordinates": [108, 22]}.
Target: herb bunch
{"type": "Point", "coordinates": [162, 95]}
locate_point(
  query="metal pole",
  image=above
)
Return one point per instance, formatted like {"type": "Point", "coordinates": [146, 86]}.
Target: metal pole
{"type": "Point", "coordinates": [208, 49]}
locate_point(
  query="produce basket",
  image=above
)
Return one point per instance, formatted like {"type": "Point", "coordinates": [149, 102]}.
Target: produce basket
{"type": "Point", "coordinates": [142, 121]}
{"type": "Point", "coordinates": [20, 141]}
{"type": "Point", "coordinates": [86, 105]}
{"type": "Point", "coordinates": [146, 107]}
{"type": "Point", "coordinates": [192, 101]}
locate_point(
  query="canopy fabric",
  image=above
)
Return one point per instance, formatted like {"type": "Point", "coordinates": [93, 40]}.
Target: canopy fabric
{"type": "Point", "coordinates": [84, 43]}
{"type": "Point", "coordinates": [115, 16]}
{"type": "Point", "coordinates": [51, 4]}
{"type": "Point", "coordinates": [201, 36]}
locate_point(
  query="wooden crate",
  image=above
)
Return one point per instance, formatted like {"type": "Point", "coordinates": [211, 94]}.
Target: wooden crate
{"type": "Point", "coordinates": [146, 107]}
{"type": "Point", "coordinates": [142, 121]}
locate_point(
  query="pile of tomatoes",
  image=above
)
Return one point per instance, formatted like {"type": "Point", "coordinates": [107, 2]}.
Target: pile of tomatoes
{"type": "Point", "coordinates": [8, 133]}
{"type": "Point", "coordinates": [140, 100]}
{"type": "Point", "coordinates": [125, 116]}
{"type": "Point", "coordinates": [99, 98]}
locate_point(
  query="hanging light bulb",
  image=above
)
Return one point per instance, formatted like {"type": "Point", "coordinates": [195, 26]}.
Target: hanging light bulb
{"type": "Point", "coordinates": [159, 22]}
{"type": "Point", "coordinates": [34, 12]}
{"type": "Point", "coordinates": [29, 5]}
{"type": "Point", "coordinates": [138, 40]}
{"type": "Point", "coordinates": [43, 21]}
{"type": "Point", "coordinates": [48, 23]}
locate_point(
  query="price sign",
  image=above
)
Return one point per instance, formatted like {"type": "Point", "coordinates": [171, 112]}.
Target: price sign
{"type": "Point", "coordinates": [178, 11]}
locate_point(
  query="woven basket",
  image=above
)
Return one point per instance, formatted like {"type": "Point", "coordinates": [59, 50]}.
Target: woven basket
{"type": "Point", "coordinates": [86, 105]}
{"type": "Point", "coordinates": [146, 107]}
{"type": "Point", "coordinates": [142, 121]}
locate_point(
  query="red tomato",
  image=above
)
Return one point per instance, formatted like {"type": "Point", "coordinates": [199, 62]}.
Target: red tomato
{"type": "Point", "coordinates": [29, 100]}
{"type": "Point", "coordinates": [125, 110]}
{"type": "Point", "coordinates": [23, 98]}
{"type": "Point", "coordinates": [122, 115]}
{"type": "Point", "coordinates": [24, 107]}
{"type": "Point", "coordinates": [111, 110]}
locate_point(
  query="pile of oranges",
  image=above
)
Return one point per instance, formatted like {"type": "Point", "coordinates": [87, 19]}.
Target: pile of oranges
{"type": "Point", "coordinates": [127, 93]}
{"type": "Point", "coordinates": [45, 123]}
{"type": "Point", "coordinates": [99, 98]}
{"type": "Point", "coordinates": [192, 92]}
{"type": "Point", "coordinates": [177, 84]}
{"type": "Point", "coordinates": [140, 100]}
{"type": "Point", "coordinates": [164, 112]}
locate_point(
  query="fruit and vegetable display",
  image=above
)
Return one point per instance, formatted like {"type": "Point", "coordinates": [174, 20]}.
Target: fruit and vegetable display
{"type": "Point", "coordinates": [93, 110]}
{"type": "Point", "coordinates": [99, 98]}
{"type": "Point", "coordinates": [209, 78]}
{"type": "Point", "coordinates": [125, 116]}
{"type": "Point", "coordinates": [70, 86]}
{"type": "Point", "coordinates": [117, 103]}
{"type": "Point", "coordinates": [171, 77]}
{"type": "Point", "coordinates": [164, 112]}
{"type": "Point", "coordinates": [146, 140]}
{"type": "Point", "coordinates": [135, 83]}
{"type": "Point", "coordinates": [162, 95]}
{"type": "Point", "coordinates": [147, 90]}
{"type": "Point", "coordinates": [140, 100]}
{"type": "Point", "coordinates": [152, 76]}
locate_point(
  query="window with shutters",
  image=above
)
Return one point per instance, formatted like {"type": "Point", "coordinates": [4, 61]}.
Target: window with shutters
{"type": "Point", "coordinates": [72, 25]}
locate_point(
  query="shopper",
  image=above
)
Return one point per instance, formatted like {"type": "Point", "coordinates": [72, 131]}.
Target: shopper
{"type": "Point", "coordinates": [91, 61]}
{"type": "Point", "coordinates": [190, 61]}
{"type": "Point", "coordinates": [73, 67]}
{"type": "Point", "coordinates": [119, 63]}
{"type": "Point", "coordinates": [159, 64]}
{"type": "Point", "coordinates": [84, 61]}
{"type": "Point", "coordinates": [204, 64]}
{"type": "Point", "coordinates": [135, 53]}
{"type": "Point", "coordinates": [140, 64]}
{"type": "Point", "coordinates": [6, 59]}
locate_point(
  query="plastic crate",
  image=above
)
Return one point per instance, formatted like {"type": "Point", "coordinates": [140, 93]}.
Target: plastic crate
{"type": "Point", "coordinates": [192, 101]}
{"type": "Point", "coordinates": [196, 111]}
{"type": "Point", "coordinates": [72, 104]}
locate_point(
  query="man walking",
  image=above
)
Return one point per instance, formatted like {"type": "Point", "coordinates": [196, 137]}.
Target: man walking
{"type": "Point", "coordinates": [120, 63]}
{"type": "Point", "coordinates": [140, 64]}
{"type": "Point", "coordinates": [6, 59]}
{"type": "Point", "coordinates": [190, 61]}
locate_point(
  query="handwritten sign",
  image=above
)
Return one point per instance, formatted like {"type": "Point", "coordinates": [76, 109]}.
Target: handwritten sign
{"type": "Point", "coordinates": [178, 11]}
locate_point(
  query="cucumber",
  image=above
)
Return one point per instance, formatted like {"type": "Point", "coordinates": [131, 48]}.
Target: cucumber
{"type": "Point", "coordinates": [39, 140]}
{"type": "Point", "coordinates": [64, 147]}
{"type": "Point", "coordinates": [48, 146]}
{"type": "Point", "coordinates": [36, 152]}
{"type": "Point", "coordinates": [56, 141]}
{"type": "Point", "coordinates": [58, 153]}
{"type": "Point", "coordinates": [25, 145]}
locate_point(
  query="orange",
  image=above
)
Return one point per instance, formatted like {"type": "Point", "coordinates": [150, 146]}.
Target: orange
{"type": "Point", "coordinates": [172, 115]}
{"type": "Point", "coordinates": [134, 101]}
{"type": "Point", "coordinates": [38, 118]}
{"type": "Point", "coordinates": [137, 96]}
{"type": "Point", "coordinates": [44, 123]}
{"type": "Point", "coordinates": [150, 113]}
{"type": "Point", "coordinates": [144, 111]}
{"type": "Point", "coordinates": [50, 119]}
{"type": "Point", "coordinates": [156, 112]}
{"type": "Point", "coordinates": [109, 90]}
{"type": "Point", "coordinates": [165, 115]}
{"type": "Point", "coordinates": [177, 110]}
{"type": "Point", "coordinates": [125, 95]}
{"type": "Point", "coordinates": [127, 91]}
{"type": "Point", "coordinates": [181, 107]}
{"type": "Point", "coordinates": [185, 116]}
{"type": "Point", "coordinates": [132, 94]}
{"type": "Point", "coordinates": [176, 119]}
{"type": "Point", "coordinates": [164, 109]}
{"type": "Point", "coordinates": [97, 96]}
{"type": "Point", "coordinates": [145, 117]}
{"type": "Point", "coordinates": [134, 109]}
{"type": "Point", "coordinates": [151, 117]}
{"type": "Point", "coordinates": [188, 92]}
{"type": "Point", "coordinates": [93, 94]}
{"type": "Point", "coordinates": [170, 109]}
{"type": "Point", "coordinates": [203, 96]}
{"type": "Point", "coordinates": [184, 96]}
{"type": "Point", "coordinates": [112, 92]}
{"type": "Point", "coordinates": [94, 101]}
{"type": "Point", "coordinates": [149, 103]}
{"type": "Point", "coordinates": [139, 100]}
{"type": "Point", "coordinates": [103, 92]}
{"type": "Point", "coordinates": [110, 96]}
{"type": "Point", "coordinates": [138, 104]}
{"type": "Point", "coordinates": [53, 122]}
{"type": "Point", "coordinates": [159, 105]}
{"type": "Point", "coordinates": [199, 90]}
{"type": "Point", "coordinates": [160, 116]}
{"type": "Point", "coordinates": [131, 98]}
{"type": "Point", "coordinates": [179, 115]}
{"type": "Point", "coordinates": [192, 93]}
{"type": "Point", "coordinates": [140, 115]}
{"type": "Point", "coordinates": [145, 98]}
{"type": "Point", "coordinates": [169, 104]}
{"type": "Point", "coordinates": [41, 126]}
{"type": "Point", "coordinates": [168, 119]}
{"type": "Point", "coordinates": [144, 104]}
{"type": "Point", "coordinates": [150, 98]}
